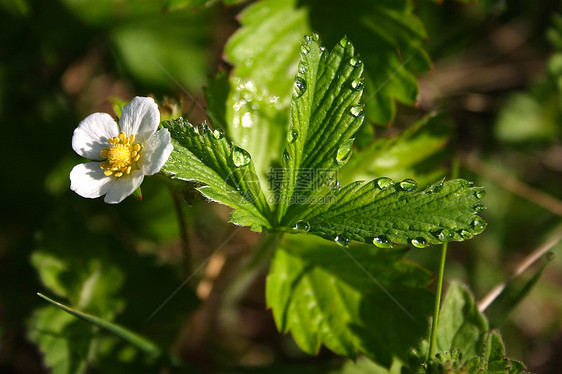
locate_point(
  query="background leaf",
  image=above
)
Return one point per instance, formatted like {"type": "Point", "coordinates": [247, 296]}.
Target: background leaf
{"type": "Point", "coordinates": [387, 35]}
{"type": "Point", "coordinates": [364, 299]}
{"type": "Point", "coordinates": [415, 153]}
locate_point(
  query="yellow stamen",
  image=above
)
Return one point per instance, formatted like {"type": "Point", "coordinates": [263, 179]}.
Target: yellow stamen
{"type": "Point", "coordinates": [121, 155]}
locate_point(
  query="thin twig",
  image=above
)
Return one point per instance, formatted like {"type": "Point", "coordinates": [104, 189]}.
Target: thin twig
{"type": "Point", "coordinates": [523, 265]}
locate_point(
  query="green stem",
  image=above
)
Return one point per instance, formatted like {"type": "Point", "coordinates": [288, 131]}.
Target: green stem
{"type": "Point", "coordinates": [437, 306]}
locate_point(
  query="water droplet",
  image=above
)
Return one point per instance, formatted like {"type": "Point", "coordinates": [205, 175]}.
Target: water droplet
{"type": "Point", "coordinates": [315, 37]}
{"type": "Point", "coordinates": [203, 129]}
{"type": "Point", "coordinates": [240, 157]}
{"type": "Point", "coordinates": [384, 183]}
{"type": "Point", "coordinates": [356, 84]}
{"type": "Point", "coordinates": [446, 235]}
{"type": "Point", "coordinates": [218, 134]}
{"type": "Point", "coordinates": [292, 135]}
{"type": "Point", "coordinates": [302, 226]}
{"type": "Point", "coordinates": [286, 155]}
{"type": "Point", "coordinates": [354, 61]}
{"type": "Point", "coordinates": [299, 88]}
{"type": "Point", "coordinates": [381, 241]}
{"type": "Point", "coordinates": [305, 49]}
{"type": "Point", "coordinates": [342, 240]}
{"type": "Point", "coordinates": [409, 185]}
{"type": "Point", "coordinates": [479, 194]}
{"type": "Point", "coordinates": [344, 152]}
{"type": "Point", "coordinates": [333, 183]}
{"type": "Point", "coordinates": [302, 67]}
{"type": "Point", "coordinates": [419, 242]}
{"type": "Point", "coordinates": [357, 111]}
{"type": "Point", "coordinates": [434, 188]}
{"type": "Point", "coordinates": [343, 42]}
{"type": "Point", "coordinates": [465, 234]}
{"type": "Point", "coordinates": [478, 224]}
{"type": "Point", "coordinates": [478, 208]}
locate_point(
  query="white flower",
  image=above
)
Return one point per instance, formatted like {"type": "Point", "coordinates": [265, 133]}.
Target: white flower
{"type": "Point", "coordinates": [124, 153]}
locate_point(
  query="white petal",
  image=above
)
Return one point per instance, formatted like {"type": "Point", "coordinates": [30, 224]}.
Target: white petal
{"type": "Point", "coordinates": [88, 180]}
{"type": "Point", "coordinates": [156, 151]}
{"type": "Point", "coordinates": [92, 133]}
{"type": "Point", "coordinates": [140, 117]}
{"type": "Point", "coordinates": [122, 187]}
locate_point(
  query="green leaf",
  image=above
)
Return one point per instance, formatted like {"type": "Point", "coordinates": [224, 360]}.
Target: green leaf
{"type": "Point", "coordinates": [136, 340]}
{"type": "Point", "coordinates": [464, 344]}
{"type": "Point", "coordinates": [386, 33]}
{"type": "Point", "coordinates": [382, 212]}
{"type": "Point", "coordinates": [461, 325]}
{"type": "Point", "coordinates": [365, 366]}
{"type": "Point", "coordinates": [324, 116]}
{"type": "Point", "coordinates": [227, 171]}
{"type": "Point", "coordinates": [256, 122]}
{"type": "Point", "coordinates": [365, 299]}
{"type": "Point", "coordinates": [415, 153]}
{"type": "Point", "coordinates": [66, 343]}
{"type": "Point", "coordinates": [266, 48]}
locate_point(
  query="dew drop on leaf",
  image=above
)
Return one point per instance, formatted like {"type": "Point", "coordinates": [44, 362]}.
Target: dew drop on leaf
{"type": "Point", "coordinates": [446, 235]}
{"type": "Point", "coordinates": [299, 88]}
{"type": "Point", "coordinates": [286, 155]}
{"type": "Point", "coordinates": [292, 135]}
{"type": "Point", "coordinates": [302, 226]}
{"type": "Point", "coordinates": [419, 242]}
{"type": "Point", "coordinates": [434, 188]}
{"type": "Point", "coordinates": [305, 49]}
{"type": "Point", "coordinates": [479, 194]}
{"type": "Point", "coordinates": [302, 68]}
{"type": "Point", "coordinates": [342, 240]}
{"type": "Point", "coordinates": [343, 42]}
{"type": "Point", "coordinates": [408, 185]}
{"type": "Point", "coordinates": [384, 183]}
{"type": "Point", "coordinates": [465, 234]}
{"type": "Point", "coordinates": [478, 208]}
{"type": "Point", "coordinates": [354, 61]}
{"type": "Point", "coordinates": [240, 157]}
{"type": "Point", "coordinates": [478, 224]}
{"type": "Point", "coordinates": [344, 152]}
{"type": "Point", "coordinates": [356, 84]}
{"type": "Point", "coordinates": [357, 111]}
{"type": "Point", "coordinates": [381, 241]}
{"type": "Point", "coordinates": [218, 134]}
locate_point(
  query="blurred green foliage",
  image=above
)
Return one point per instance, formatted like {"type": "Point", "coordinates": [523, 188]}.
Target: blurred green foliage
{"type": "Point", "coordinates": [62, 59]}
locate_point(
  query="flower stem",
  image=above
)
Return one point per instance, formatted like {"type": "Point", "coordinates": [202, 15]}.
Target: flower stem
{"type": "Point", "coordinates": [437, 305]}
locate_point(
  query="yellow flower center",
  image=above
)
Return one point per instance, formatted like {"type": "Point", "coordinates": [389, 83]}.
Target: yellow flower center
{"type": "Point", "coordinates": [121, 155]}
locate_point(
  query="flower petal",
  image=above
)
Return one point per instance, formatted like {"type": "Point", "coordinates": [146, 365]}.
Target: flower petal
{"type": "Point", "coordinates": [88, 180]}
{"type": "Point", "coordinates": [140, 117]}
{"type": "Point", "coordinates": [122, 187]}
{"type": "Point", "coordinates": [156, 151]}
{"type": "Point", "coordinates": [92, 133]}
